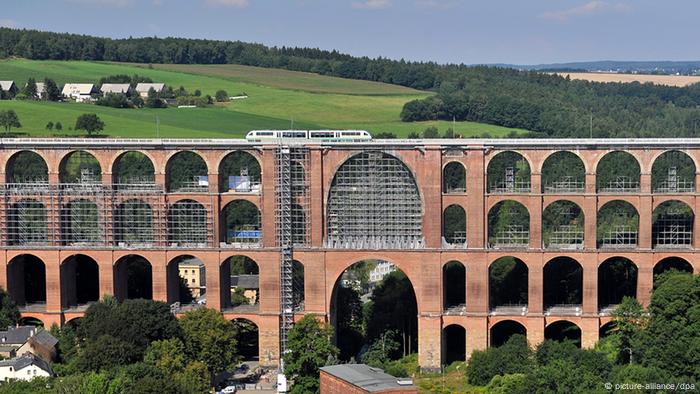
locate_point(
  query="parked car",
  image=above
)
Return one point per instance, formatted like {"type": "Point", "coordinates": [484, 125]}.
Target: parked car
{"type": "Point", "coordinates": [229, 390]}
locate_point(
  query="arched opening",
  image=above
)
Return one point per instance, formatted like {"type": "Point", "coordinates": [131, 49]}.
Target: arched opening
{"type": "Point", "coordinates": [186, 172]}
{"type": "Point", "coordinates": [248, 339]}
{"type": "Point", "coordinates": [508, 172]}
{"type": "Point", "coordinates": [563, 330]}
{"type": "Point", "coordinates": [187, 282]}
{"type": "Point", "coordinates": [133, 224]}
{"type": "Point", "coordinates": [241, 221]}
{"type": "Point", "coordinates": [82, 224]}
{"type": "Point", "coordinates": [617, 278]}
{"type": "Point", "coordinates": [27, 167]}
{"type": "Point", "coordinates": [454, 178]}
{"type": "Point", "coordinates": [133, 170]}
{"type": "Point", "coordinates": [373, 305]}
{"type": "Point", "coordinates": [671, 264]}
{"type": "Point", "coordinates": [27, 223]}
{"type": "Point", "coordinates": [618, 172]}
{"type": "Point", "coordinates": [374, 202]}
{"type": "Point", "coordinates": [455, 344]}
{"type": "Point", "coordinates": [673, 172]}
{"type": "Point", "coordinates": [133, 278]}
{"type": "Point", "coordinates": [298, 289]}
{"type": "Point", "coordinates": [508, 286]}
{"type": "Point", "coordinates": [80, 167]}
{"type": "Point", "coordinates": [503, 330]}
{"type": "Point", "coordinates": [30, 321]}
{"type": "Point", "coordinates": [188, 225]}
{"type": "Point", "coordinates": [672, 225]}
{"type": "Point", "coordinates": [80, 281]}
{"type": "Point", "coordinates": [454, 283]}
{"type": "Point", "coordinates": [562, 225]}
{"type": "Point", "coordinates": [240, 283]}
{"type": "Point", "coordinates": [618, 225]}
{"type": "Point", "coordinates": [239, 172]}
{"type": "Point", "coordinates": [26, 281]}
{"type": "Point", "coordinates": [509, 225]}
{"type": "Point", "coordinates": [563, 286]}
{"type": "Point", "coordinates": [563, 172]}
{"type": "Point", "coordinates": [454, 226]}
{"type": "Point", "coordinates": [299, 223]}
{"type": "Point", "coordinates": [607, 329]}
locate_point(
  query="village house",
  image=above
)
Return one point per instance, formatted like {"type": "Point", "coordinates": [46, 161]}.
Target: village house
{"type": "Point", "coordinates": [123, 88]}
{"type": "Point", "coordinates": [9, 89]}
{"type": "Point", "coordinates": [26, 367]}
{"type": "Point", "coordinates": [192, 271]}
{"type": "Point", "coordinates": [143, 88]}
{"type": "Point", "coordinates": [250, 285]}
{"type": "Point", "coordinates": [27, 339]}
{"type": "Point", "coordinates": [80, 92]}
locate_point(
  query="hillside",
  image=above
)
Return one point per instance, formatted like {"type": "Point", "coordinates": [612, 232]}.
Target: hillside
{"type": "Point", "coordinates": [276, 99]}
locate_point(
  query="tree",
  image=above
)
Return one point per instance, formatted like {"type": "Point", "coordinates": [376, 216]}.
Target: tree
{"type": "Point", "coordinates": [153, 100]}
{"type": "Point", "coordinates": [30, 89]}
{"type": "Point", "coordinates": [51, 92]}
{"type": "Point", "coordinates": [9, 119]}
{"type": "Point", "coordinates": [413, 135]}
{"type": "Point", "coordinates": [58, 126]}
{"type": "Point", "coordinates": [167, 355]}
{"type": "Point", "coordinates": [49, 126]}
{"type": "Point", "coordinates": [515, 356]}
{"type": "Point", "coordinates": [9, 313]}
{"type": "Point", "coordinates": [210, 339]}
{"type": "Point", "coordinates": [431, 132]}
{"type": "Point", "coordinates": [310, 348]}
{"type": "Point", "coordinates": [197, 92]}
{"type": "Point", "coordinates": [91, 123]}
{"type": "Point", "coordinates": [221, 96]}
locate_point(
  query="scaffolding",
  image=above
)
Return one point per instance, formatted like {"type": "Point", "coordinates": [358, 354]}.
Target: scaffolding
{"type": "Point", "coordinates": [189, 224]}
{"type": "Point", "coordinates": [512, 236]}
{"type": "Point", "coordinates": [283, 219]}
{"type": "Point", "coordinates": [374, 204]}
{"type": "Point", "coordinates": [674, 183]}
{"type": "Point", "coordinates": [510, 184]}
{"type": "Point", "coordinates": [621, 184]}
{"type": "Point", "coordinates": [673, 230]}
{"type": "Point", "coordinates": [566, 236]}
{"type": "Point", "coordinates": [620, 236]}
{"type": "Point", "coordinates": [456, 240]}
{"type": "Point", "coordinates": [567, 184]}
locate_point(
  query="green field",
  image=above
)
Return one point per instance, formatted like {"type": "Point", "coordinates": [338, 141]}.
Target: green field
{"type": "Point", "coordinates": [277, 99]}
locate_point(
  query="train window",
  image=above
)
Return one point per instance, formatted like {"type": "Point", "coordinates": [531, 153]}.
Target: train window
{"type": "Point", "coordinates": [287, 135]}
{"type": "Point", "coordinates": [322, 134]}
{"type": "Point", "coordinates": [351, 133]}
{"type": "Point", "coordinates": [265, 133]}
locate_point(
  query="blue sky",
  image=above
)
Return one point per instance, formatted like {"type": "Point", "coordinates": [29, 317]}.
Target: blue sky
{"type": "Point", "coordinates": [468, 31]}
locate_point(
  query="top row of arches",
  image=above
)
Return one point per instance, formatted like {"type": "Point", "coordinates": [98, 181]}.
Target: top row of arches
{"type": "Point", "coordinates": [185, 171]}
{"type": "Point", "coordinates": [565, 172]}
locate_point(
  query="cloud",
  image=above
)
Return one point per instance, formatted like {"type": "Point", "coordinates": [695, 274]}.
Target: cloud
{"type": "Point", "coordinates": [8, 23]}
{"type": "Point", "coordinates": [228, 3]}
{"type": "Point", "coordinates": [371, 4]}
{"type": "Point", "coordinates": [104, 3]}
{"type": "Point", "coordinates": [438, 4]}
{"type": "Point", "coordinates": [590, 8]}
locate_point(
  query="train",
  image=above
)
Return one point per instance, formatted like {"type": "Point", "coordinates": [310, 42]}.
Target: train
{"type": "Point", "coordinates": [324, 135]}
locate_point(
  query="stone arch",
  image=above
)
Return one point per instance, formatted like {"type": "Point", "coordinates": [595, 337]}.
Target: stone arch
{"type": "Point", "coordinates": [617, 278]}
{"type": "Point", "coordinates": [31, 321]}
{"type": "Point", "coordinates": [248, 339]}
{"type": "Point", "coordinates": [186, 172]}
{"type": "Point", "coordinates": [454, 226]}
{"type": "Point", "coordinates": [672, 226]}
{"type": "Point", "coordinates": [362, 187]}
{"type": "Point", "coordinates": [618, 172]}
{"type": "Point", "coordinates": [186, 281]}
{"type": "Point", "coordinates": [508, 172]}
{"type": "Point", "coordinates": [454, 283]}
{"type": "Point", "coordinates": [607, 328]}
{"type": "Point", "coordinates": [26, 166]}
{"type": "Point", "coordinates": [503, 330]}
{"type": "Point", "coordinates": [563, 330]}
{"type": "Point", "coordinates": [617, 225]}
{"type": "Point", "coordinates": [454, 177]}
{"type": "Point", "coordinates": [133, 170]}
{"type": "Point", "coordinates": [563, 225]}
{"type": "Point", "coordinates": [27, 223]}
{"type": "Point", "coordinates": [241, 222]}
{"type": "Point", "coordinates": [508, 285]}
{"type": "Point", "coordinates": [80, 167]}
{"type": "Point", "coordinates": [454, 344]}
{"type": "Point", "coordinates": [133, 224]}
{"type": "Point", "coordinates": [240, 283]}
{"type": "Point", "coordinates": [80, 281]}
{"type": "Point", "coordinates": [563, 172]}
{"type": "Point", "coordinates": [26, 279]}
{"type": "Point", "coordinates": [239, 172]}
{"type": "Point", "coordinates": [672, 263]}
{"type": "Point", "coordinates": [673, 171]}
{"type": "Point", "coordinates": [508, 225]}
{"type": "Point", "coordinates": [563, 284]}
{"type": "Point", "coordinates": [187, 224]}
{"type": "Point", "coordinates": [133, 278]}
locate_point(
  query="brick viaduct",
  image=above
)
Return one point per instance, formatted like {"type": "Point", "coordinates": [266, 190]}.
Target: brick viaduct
{"type": "Point", "coordinates": [323, 265]}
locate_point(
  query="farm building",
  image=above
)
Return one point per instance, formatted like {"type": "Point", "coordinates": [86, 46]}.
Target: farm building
{"type": "Point", "coordinates": [9, 89]}
{"type": "Point", "coordinates": [123, 88]}
{"type": "Point", "coordinates": [40, 89]}
{"type": "Point", "coordinates": [26, 367]}
{"type": "Point", "coordinates": [143, 88]}
{"type": "Point", "coordinates": [361, 378]}
{"type": "Point", "coordinates": [80, 92]}
{"type": "Point", "coordinates": [27, 339]}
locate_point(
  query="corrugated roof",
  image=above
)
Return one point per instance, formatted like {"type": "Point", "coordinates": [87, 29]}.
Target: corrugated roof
{"type": "Point", "coordinates": [115, 87]}
{"type": "Point", "coordinates": [245, 281]}
{"type": "Point", "coordinates": [145, 87]}
{"type": "Point", "coordinates": [365, 377]}
{"type": "Point", "coordinates": [77, 88]}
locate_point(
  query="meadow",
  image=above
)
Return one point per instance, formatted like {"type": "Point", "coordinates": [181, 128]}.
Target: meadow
{"type": "Point", "coordinates": [277, 99]}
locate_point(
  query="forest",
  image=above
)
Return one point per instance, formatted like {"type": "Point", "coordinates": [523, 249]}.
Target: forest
{"type": "Point", "coordinates": [547, 105]}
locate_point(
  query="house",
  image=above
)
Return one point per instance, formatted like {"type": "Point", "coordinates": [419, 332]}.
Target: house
{"type": "Point", "coordinates": [27, 339]}
{"type": "Point", "coordinates": [40, 89]}
{"type": "Point", "coordinates": [143, 88]}
{"type": "Point", "coordinates": [382, 269]}
{"type": "Point", "coordinates": [9, 89]}
{"type": "Point", "coordinates": [250, 285]}
{"type": "Point", "coordinates": [26, 367]}
{"type": "Point", "coordinates": [123, 88]}
{"type": "Point", "coordinates": [360, 379]}
{"type": "Point", "coordinates": [192, 271]}
{"type": "Point", "coordinates": [80, 92]}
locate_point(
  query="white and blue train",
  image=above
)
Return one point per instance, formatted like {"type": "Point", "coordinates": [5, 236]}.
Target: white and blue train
{"type": "Point", "coordinates": [325, 135]}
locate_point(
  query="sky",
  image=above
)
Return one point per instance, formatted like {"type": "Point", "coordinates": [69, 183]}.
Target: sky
{"type": "Point", "coordinates": [444, 31]}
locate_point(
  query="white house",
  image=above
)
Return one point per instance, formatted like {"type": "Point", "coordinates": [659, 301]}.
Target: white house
{"type": "Point", "coordinates": [143, 88]}
{"type": "Point", "coordinates": [80, 92]}
{"type": "Point", "coordinates": [123, 88]}
{"type": "Point", "coordinates": [40, 89]}
{"type": "Point", "coordinates": [382, 269]}
{"type": "Point", "coordinates": [26, 367]}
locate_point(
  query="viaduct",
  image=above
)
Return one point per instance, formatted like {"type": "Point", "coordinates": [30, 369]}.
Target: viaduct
{"type": "Point", "coordinates": [353, 201]}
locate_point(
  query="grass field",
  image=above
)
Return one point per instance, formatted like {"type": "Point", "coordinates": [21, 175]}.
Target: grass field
{"type": "Point", "coordinates": [671, 80]}
{"type": "Point", "coordinates": [277, 98]}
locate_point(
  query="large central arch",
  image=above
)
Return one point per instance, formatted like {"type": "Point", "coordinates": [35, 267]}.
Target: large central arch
{"type": "Point", "coordinates": [374, 201]}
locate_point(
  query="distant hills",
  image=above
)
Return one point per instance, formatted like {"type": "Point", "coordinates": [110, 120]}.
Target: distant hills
{"type": "Point", "coordinates": [691, 67]}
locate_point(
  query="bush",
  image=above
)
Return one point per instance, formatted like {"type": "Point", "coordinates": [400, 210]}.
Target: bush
{"type": "Point", "coordinates": [515, 356]}
{"type": "Point", "coordinates": [221, 96]}
{"type": "Point", "coordinates": [114, 100]}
